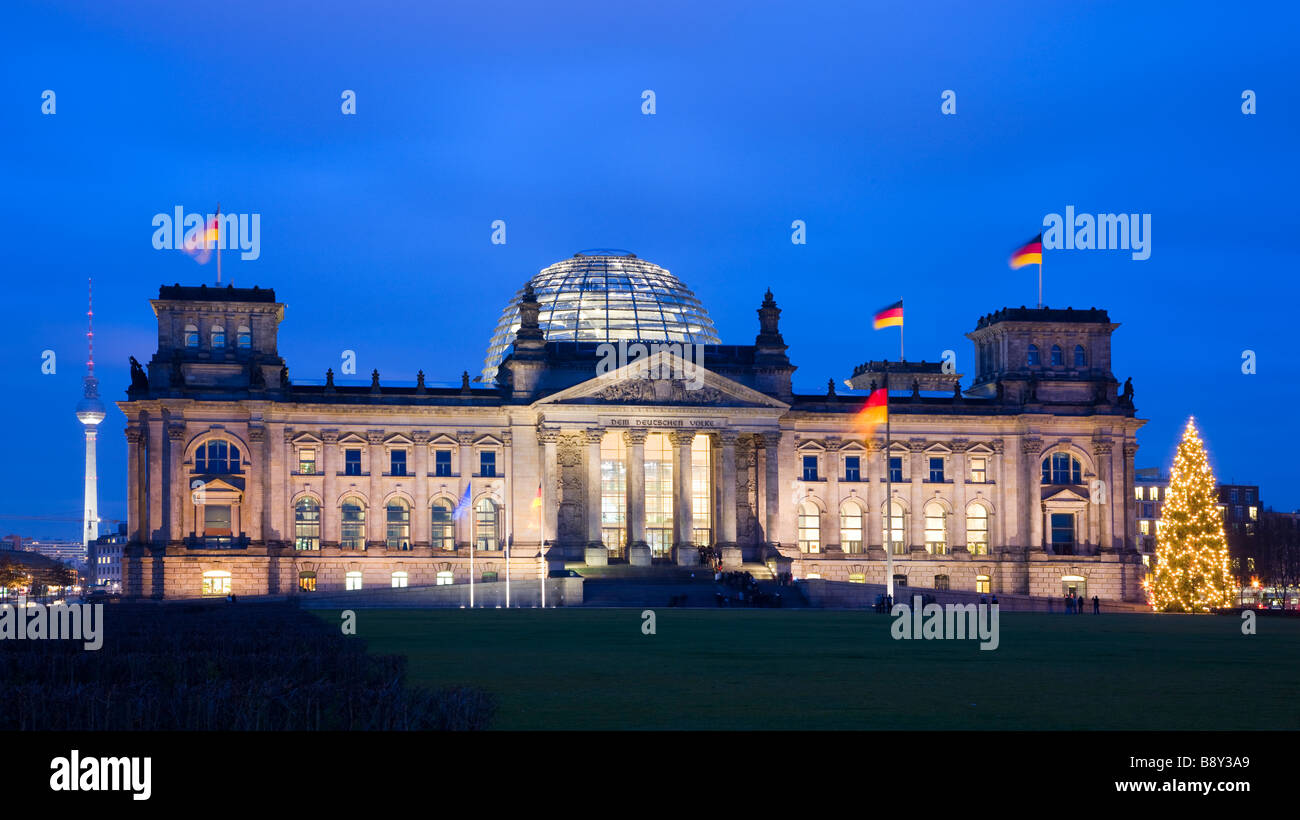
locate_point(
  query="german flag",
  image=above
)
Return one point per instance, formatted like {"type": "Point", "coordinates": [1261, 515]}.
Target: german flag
{"type": "Point", "coordinates": [537, 502]}
{"type": "Point", "coordinates": [1031, 253]}
{"type": "Point", "coordinates": [891, 316]}
{"type": "Point", "coordinates": [873, 414]}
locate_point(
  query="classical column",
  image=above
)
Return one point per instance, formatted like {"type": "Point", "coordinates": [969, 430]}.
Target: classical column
{"type": "Point", "coordinates": [831, 522]}
{"type": "Point", "coordinates": [1104, 456]}
{"type": "Point", "coordinates": [177, 486]}
{"type": "Point", "coordinates": [377, 520]}
{"type": "Point", "coordinates": [1126, 478]}
{"type": "Point", "coordinates": [1033, 492]}
{"type": "Point", "coordinates": [875, 500]}
{"type": "Point", "coordinates": [638, 551]}
{"type": "Point", "coordinates": [726, 538]}
{"type": "Point", "coordinates": [998, 536]}
{"type": "Point", "coordinates": [682, 522]}
{"type": "Point", "coordinates": [134, 476]}
{"type": "Point", "coordinates": [157, 526]}
{"type": "Point", "coordinates": [916, 499]}
{"type": "Point", "coordinates": [421, 521]}
{"type": "Point", "coordinates": [772, 485]}
{"type": "Point", "coordinates": [255, 490]}
{"type": "Point", "coordinates": [464, 524]}
{"type": "Point", "coordinates": [549, 438]}
{"type": "Point", "coordinates": [957, 527]}
{"type": "Point", "coordinates": [595, 552]}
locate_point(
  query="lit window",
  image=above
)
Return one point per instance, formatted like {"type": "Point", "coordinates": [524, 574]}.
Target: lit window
{"type": "Point", "coordinates": [398, 533]}
{"type": "Point", "coordinates": [487, 463]}
{"type": "Point", "coordinates": [1254, 513]}
{"type": "Point", "coordinates": [1155, 493]}
{"type": "Point", "coordinates": [1139, 493]}
{"type": "Point", "coordinates": [701, 491]}
{"type": "Point", "coordinates": [307, 461]}
{"type": "Point", "coordinates": [352, 535]}
{"type": "Point", "coordinates": [810, 468]}
{"type": "Point", "coordinates": [216, 582]}
{"type": "Point", "coordinates": [487, 525]}
{"type": "Point", "coordinates": [977, 529]}
{"type": "Point", "coordinates": [893, 527]}
{"type": "Point", "coordinates": [857, 577]}
{"type": "Point", "coordinates": [444, 529]}
{"type": "Point", "coordinates": [936, 529]}
{"type": "Point", "coordinates": [442, 462]}
{"type": "Point", "coordinates": [444, 578]}
{"type": "Point", "coordinates": [810, 533]}
{"type": "Point", "coordinates": [397, 462]}
{"type": "Point", "coordinates": [306, 581]}
{"type": "Point", "coordinates": [936, 469]}
{"type": "Point", "coordinates": [352, 580]}
{"type": "Point", "coordinates": [306, 522]}
{"type": "Point", "coordinates": [852, 468]}
{"type": "Point", "coordinates": [982, 584]}
{"type": "Point", "coordinates": [400, 579]}
{"type": "Point", "coordinates": [1033, 357]}
{"type": "Point", "coordinates": [850, 527]}
{"type": "Point", "coordinates": [1144, 527]}
{"type": "Point", "coordinates": [979, 470]}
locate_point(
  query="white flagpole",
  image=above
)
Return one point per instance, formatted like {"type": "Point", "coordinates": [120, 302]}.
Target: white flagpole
{"type": "Point", "coordinates": [205, 236]}
{"type": "Point", "coordinates": [541, 552]}
{"type": "Point", "coordinates": [471, 551]}
{"type": "Point", "coordinates": [510, 534]}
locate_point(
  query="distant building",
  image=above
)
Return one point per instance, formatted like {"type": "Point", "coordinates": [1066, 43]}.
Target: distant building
{"type": "Point", "coordinates": [72, 553]}
{"type": "Point", "coordinates": [104, 561]}
{"type": "Point", "coordinates": [1241, 507]}
{"type": "Point", "coordinates": [1150, 488]}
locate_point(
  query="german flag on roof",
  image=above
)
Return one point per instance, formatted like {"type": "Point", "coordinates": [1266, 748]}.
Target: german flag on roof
{"type": "Point", "coordinates": [891, 316]}
{"type": "Point", "coordinates": [1031, 253]}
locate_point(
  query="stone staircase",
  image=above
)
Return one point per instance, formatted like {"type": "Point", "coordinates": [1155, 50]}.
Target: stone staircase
{"type": "Point", "coordinates": [657, 586]}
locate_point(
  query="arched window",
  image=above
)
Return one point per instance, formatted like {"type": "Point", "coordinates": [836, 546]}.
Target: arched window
{"type": "Point", "coordinates": [936, 529]}
{"type": "Point", "coordinates": [218, 337]}
{"type": "Point", "coordinates": [1033, 358]}
{"type": "Point", "coordinates": [1056, 356]}
{"type": "Point", "coordinates": [191, 336]}
{"type": "Point", "coordinates": [1062, 468]}
{"type": "Point", "coordinates": [894, 527]}
{"type": "Point", "coordinates": [306, 581]}
{"type": "Point", "coordinates": [216, 582]}
{"type": "Point", "coordinates": [487, 525]}
{"type": "Point", "coordinates": [977, 529]}
{"type": "Point", "coordinates": [243, 338]}
{"type": "Point", "coordinates": [1080, 358]}
{"type": "Point", "coordinates": [216, 457]}
{"type": "Point", "coordinates": [352, 580]}
{"type": "Point", "coordinates": [444, 528]}
{"type": "Point", "coordinates": [400, 579]}
{"type": "Point", "coordinates": [810, 528]}
{"type": "Point", "coordinates": [306, 524]}
{"type": "Point", "coordinates": [352, 534]}
{"type": "Point", "coordinates": [850, 527]}
{"type": "Point", "coordinates": [398, 533]}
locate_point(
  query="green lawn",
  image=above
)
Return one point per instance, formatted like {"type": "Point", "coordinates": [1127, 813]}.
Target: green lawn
{"type": "Point", "coordinates": [764, 669]}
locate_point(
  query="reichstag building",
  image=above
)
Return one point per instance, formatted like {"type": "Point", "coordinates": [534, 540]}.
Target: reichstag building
{"type": "Point", "coordinates": [611, 425]}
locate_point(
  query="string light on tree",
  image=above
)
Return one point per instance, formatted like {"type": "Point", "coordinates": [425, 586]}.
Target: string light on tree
{"type": "Point", "coordinates": [1191, 573]}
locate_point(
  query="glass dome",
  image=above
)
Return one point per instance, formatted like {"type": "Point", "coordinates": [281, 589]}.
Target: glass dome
{"type": "Point", "coordinates": [605, 295]}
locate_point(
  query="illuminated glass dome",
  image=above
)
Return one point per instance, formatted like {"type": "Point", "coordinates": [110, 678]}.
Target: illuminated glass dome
{"type": "Point", "coordinates": [605, 295]}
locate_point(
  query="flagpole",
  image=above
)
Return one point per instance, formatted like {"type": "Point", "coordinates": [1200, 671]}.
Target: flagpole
{"type": "Point", "coordinates": [901, 357]}
{"type": "Point", "coordinates": [218, 243]}
{"type": "Point", "coordinates": [541, 551]}
{"type": "Point", "coordinates": [471, 548]}
{"type": "Point", "coordinates": [889, 500]}
{"type": "Point", "coordinates": [1040, 279]}
{"type": "Point", "coordinates": [510, 532]}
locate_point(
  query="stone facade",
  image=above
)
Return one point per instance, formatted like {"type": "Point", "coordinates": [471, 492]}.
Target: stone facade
{"type": "Point", "coordinates": [242, 480]}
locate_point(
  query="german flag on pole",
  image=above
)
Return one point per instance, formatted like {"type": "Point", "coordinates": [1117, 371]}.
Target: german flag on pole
{"type": "Point", "coordinates": [537, 502]}
{"type": "Point", "coordinates": [891, 316]}
{"type": "Point", "coordinates": [1031, 253]}
{"type": "Point", "coordinates": [873, 414]}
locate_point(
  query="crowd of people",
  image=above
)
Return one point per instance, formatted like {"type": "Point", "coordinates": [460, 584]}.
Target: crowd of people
{"type": "Point", "coordinates": [740, 589]}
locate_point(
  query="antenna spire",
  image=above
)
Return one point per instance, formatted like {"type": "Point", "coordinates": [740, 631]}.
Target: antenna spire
{"type": "Point", "coordinates": [90, 324]}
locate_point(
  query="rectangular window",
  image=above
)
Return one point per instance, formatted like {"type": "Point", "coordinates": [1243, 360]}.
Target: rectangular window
{"type": "Point", "coordinates": [1155, 493]}
{"type": "Point", "coordinates": [307, 461]}
{"type": "Point", "coordinates": [896, 469]}
{"type": "Point", "coordinates": [852, 468]}
{"type": "Point", "coordinates": [352, 462]}
{"type": "Point", "coordinates": [352, 580]}
{"type": "Point", "coordinates": [982, 583]}
{"type": "Point", "coordinates": [810, 468]}
{"type": "Point", "coordinates": [397, 462]}
{"type": "Point", "coordinates": [978, 470]}
{"type": "Point", "coordinates": [216, 519]}
{"type": "Point", "coordinates": [487, 463]}
{"type": "Point", "coordinates": [936, 469]}
{"type": "Point", "coordinates": [1139, 493]}
{"type": "Point", "coordinates": [1063, 533]}
{"type": "Point", "coordinates": [442, 462]}
{"type": "Point", "coordinates": [1145, 527]}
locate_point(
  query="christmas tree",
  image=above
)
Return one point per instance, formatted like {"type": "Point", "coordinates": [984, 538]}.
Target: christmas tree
{"type": "Point", "coordinates": [1191, 572]}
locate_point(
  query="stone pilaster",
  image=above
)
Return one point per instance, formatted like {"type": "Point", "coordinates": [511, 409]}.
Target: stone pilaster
{"type": "Point", "coordinates": [255, 490]}
{"type": "Point", "coordinates": [638, 551]}
{"type": "Point", "coordinates": [687, 554]}
{"type": "Point", "coordinates": [464, 524]}
{"type": "Point", "coordinates": [377, 521]}
{"type": "Point", "coordinates": [595, 553]}
{"type": "Point", "coordinates": [726, 538]}
{"type": "Point", "coordinates": [875, 501]}
{"type": "Point", "coordinates": [421, 521]}
{"type": "Point", "coordinates": [916, 499]}
{"type": "Point", "coordinates": [772, 485]}
{"type": "Point", "coordinates": [958, 476]}
{"type": "Point", "coordinates": [1033, 494]}
{"type": "Point", "coordinates": [549, 438]}
{"type": "Point", "coordinates": [135, 475]}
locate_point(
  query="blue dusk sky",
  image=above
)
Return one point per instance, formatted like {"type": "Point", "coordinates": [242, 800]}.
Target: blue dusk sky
{"type": "Point", "coordinates": [375, 228]}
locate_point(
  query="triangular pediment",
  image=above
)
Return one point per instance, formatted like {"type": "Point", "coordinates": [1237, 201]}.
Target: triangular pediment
{"type": "Point", "coordinates": [632, 384]}
{"type": "Point", "coordinates": [1064, 494]}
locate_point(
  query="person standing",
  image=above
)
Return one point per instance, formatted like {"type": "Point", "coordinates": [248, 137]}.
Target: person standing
{"type": "Point", "coordinates": [1096, 605]}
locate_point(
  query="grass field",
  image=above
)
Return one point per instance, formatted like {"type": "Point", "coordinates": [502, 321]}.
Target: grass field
{"type": "Point", "coordinates": [764, 669]}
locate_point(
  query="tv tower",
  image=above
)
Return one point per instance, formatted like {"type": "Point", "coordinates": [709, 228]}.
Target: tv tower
{"type": "Point", "coordinates": [90, 412]}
